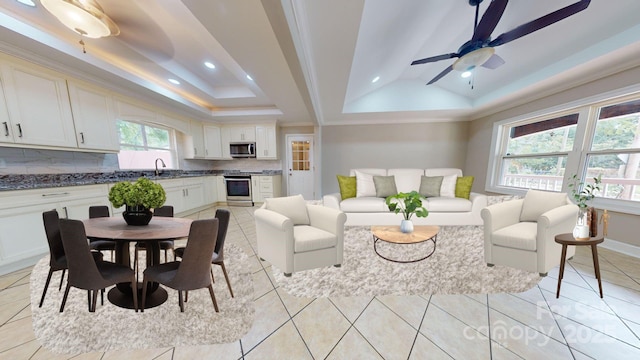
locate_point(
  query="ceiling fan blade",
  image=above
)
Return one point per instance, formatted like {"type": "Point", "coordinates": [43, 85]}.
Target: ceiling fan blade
{"type": "Point", "coordinates": [489, 20]}
{"type": "Point", "coordinates": [439, 76]}
{"type": "Point", "coordinates": [539, 23]}
{"type": "Point", "coordinates": [494, 62]}
{"type": "Point", "coordinates": [435, 58]}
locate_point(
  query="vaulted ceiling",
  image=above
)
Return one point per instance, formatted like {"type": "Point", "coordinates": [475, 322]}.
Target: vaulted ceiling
{"type": "Point", "coordinates": [304, 62]}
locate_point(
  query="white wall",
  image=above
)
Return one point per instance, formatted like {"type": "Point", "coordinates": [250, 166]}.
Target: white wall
{"type": "Point", "coordinates": [426, 145]}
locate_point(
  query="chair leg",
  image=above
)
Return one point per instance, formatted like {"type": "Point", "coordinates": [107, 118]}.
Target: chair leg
{"type": "Point", "coordinates": [46, 285]}
{"type": "Point", "coordinates": [226, 277]}
{"type": "Point", "coordinates": [134, 287]}
{"type": "Point", "coordinates": [186, 296]}
{"type": "Point", "coordinates": [180, 301]}
{"type": "Point", "coordinates": [94, 301]}
{"type": "Point", "coordinates": [64, 297]}
{"type": "Point", "coordinates": [102, 297]}
{"type": "Point", "coordinates": [144, 294]}
{"type": "Point", "coordinates": [213, 298]}
{"type": "Point", "coordinates": [89, 300]}
{"type": "Point", "coordinates": [62, 279]}
{"type": "Point", "coordinates": [165, 255]}
{"type": "Point", "coordinates": [212, 279]}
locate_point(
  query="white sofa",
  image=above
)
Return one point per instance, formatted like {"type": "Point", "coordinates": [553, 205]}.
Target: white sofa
{"type": "Point", "coordinates": [442, 210]}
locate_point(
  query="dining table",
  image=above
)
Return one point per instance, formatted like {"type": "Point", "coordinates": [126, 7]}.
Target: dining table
{"type": "Point", "coordinates": [116, 229]}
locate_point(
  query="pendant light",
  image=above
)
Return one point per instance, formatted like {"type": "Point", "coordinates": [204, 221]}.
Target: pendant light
{"type": "Point", "coordinates": [85, 17]}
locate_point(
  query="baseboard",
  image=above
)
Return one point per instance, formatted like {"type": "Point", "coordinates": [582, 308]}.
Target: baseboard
{"type": "Point", "coordinates": [621, 247]}
{"type": "Point", "coordinates": [20, 264]}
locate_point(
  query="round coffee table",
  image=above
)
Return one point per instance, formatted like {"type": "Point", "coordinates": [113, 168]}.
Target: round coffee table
{"type": "Point", "coordinates": [393, 235]}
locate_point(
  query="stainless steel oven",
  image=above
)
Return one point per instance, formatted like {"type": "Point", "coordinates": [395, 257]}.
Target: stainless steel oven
{"type": "Point", "coordinates": [238, 190]}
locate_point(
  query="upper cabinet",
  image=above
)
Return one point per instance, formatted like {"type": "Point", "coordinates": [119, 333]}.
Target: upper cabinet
{"type": "Point", "coordinates": [94, 117]}
{"type": "Point", "coordinates": [197, 136]}
{"type": "Point", "coordinates": [266, 143]}
{"type": "Point", "coordinates": [242, 133]}
{"type": "Point", "coordinates": [212, 142]}
{"type": "Point", "coordinates": [38, 106]}
{"type": "Point", "coordinates": [225, 139]}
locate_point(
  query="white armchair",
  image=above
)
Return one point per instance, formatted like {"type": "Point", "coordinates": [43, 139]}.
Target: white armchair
{"type": "Point", "coordinates": [521, 233]}
{"type": "Point", "coordinates": [295, 236]}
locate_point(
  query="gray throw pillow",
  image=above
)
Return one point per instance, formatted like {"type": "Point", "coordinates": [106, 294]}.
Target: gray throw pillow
{"type": "Point", "coordinates": [430, 186]}
{"type": "Point", "coordinates": [385, 185]}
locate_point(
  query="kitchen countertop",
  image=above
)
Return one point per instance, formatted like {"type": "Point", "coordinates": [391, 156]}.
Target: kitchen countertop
{"type": "Point", "coordinates": [39, 181]}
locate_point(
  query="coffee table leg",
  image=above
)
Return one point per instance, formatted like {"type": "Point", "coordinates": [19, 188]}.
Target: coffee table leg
{"type": "Point", "coordinates": [596, 266]}
{"type": "Point", "coordinates": [562, 260]}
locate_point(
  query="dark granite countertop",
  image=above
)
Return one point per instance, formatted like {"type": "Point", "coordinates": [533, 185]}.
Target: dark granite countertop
{"type": "Point", "coordinates": [38, 181]}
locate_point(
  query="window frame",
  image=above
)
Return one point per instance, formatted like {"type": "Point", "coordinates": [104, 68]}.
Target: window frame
{"type": "Point", "coordinates": [577, 157]}
{"type": "Point", "coordinates": [173, 149]}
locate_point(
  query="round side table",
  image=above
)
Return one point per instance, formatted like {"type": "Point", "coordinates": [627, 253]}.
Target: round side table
{"type": "Point", "coordinates": [568, 239]}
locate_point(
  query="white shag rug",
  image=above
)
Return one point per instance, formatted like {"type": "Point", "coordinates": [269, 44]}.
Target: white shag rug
{"type": "Point", "coordinates": [456, 267]}
{"type": "Point", "coordinates": [76, 330]}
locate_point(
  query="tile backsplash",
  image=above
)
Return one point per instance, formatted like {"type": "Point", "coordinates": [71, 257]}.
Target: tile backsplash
{"type": "Point", "coordinates": [35, 161]}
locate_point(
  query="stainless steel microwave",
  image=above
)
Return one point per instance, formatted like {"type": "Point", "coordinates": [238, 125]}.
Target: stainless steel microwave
{"type": "Point", "coordinates": [242, 150]}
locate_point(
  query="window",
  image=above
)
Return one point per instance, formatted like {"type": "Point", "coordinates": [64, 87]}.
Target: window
{"type": "Point", "coordinates": [594, 139]}
{"type": "Point", "coordinates": [141, 145]}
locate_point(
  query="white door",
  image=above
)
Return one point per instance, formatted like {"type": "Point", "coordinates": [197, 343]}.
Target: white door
{"type": "Point", "coordinates": [300, 168]}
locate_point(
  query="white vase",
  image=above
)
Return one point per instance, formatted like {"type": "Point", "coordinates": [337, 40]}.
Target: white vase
{"type": "Point", "coordinates": [581, 230]}
{"type": "Point", "coordinates": [406, 226]}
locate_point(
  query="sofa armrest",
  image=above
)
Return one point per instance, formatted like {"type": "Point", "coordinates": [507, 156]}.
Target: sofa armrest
{"type": "Point", "coordinates": [327, 219]}
{"type": "Point", "coordinates": [500, 215]}
{"type": "Point", "coordinates": [332, 201]}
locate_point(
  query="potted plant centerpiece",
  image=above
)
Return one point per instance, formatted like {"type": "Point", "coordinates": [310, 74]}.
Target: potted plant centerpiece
{"type": "Point", "coordinates": [582, 193]}
{"type": "Point", "coordinates": [139, 197]}
{"type": "Point", "coordinates": [408, 204]}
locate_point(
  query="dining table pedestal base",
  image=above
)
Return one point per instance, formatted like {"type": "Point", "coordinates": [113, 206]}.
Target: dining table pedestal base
{"type": "Point", "coordinates": [125, 299]}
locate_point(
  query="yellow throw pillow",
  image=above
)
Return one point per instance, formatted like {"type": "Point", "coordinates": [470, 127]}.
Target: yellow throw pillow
{"type": "Point", "coordinates": [463, 186]}
{"type": "Point", "coordinates": [347, 186]}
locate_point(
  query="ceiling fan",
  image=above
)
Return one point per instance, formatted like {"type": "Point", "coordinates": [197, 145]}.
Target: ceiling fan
{"type": "Point", "coordinates": [479, 51]}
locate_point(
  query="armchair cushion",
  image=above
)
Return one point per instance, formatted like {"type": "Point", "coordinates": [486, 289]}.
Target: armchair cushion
{"type": "Point", "coordinates": [385, 185]}
{"type": "Point", "coordinates": [517, 236]}
{"type": "Point", "coordinates": [293, 207]}
{"type": "Point", "coordinates": [307, 238]}
{"type": "Point", "coordinates": [538, 202]}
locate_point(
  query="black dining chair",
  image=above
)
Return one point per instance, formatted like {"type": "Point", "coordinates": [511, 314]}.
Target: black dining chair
{"type": "Point", "coordinates": [86, 274]}
{"type": "Point", "coordinates": [223, 216]}
{"type": "Point", "coordinates": [57, 257]}
{"type": "Point", "coordinates": [192, 272]}
{"type": "Point", "coordinates": [99, 244]}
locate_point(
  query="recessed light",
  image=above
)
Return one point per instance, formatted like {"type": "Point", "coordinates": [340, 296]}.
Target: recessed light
{"type": "Point", "coordinates": [465, 74]}
{"type": "Point", "coordinates": [27, 2]}
{"type": "Point", "coordinates": [174, 81]}
{"type": "Point", "coordinates": [209, 65]}
{"type": "Point", "coordinates": [375, 79]}
{"type": "Point", "coordinates": [249, 77]}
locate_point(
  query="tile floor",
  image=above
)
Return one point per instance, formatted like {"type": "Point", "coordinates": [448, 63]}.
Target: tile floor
{"type": "Point", "coordinates": [530, 325]}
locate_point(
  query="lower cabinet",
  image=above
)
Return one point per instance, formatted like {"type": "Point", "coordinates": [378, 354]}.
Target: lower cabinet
{"type": "Point", "coordinates": [22, 239]}
{"type": "Point", "coordinates": [263, 187]}
{"type": "Point", "coordinates": [184, 194]}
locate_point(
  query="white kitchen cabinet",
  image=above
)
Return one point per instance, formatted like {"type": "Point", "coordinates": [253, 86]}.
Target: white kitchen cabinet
{"type": "Point", "coordinates": [94, 118]}
{"type": "Point", "coordinates": [22, 239]}
{"type": "Point", "coordinates": [263, 187]}
{"type": "Point", "coordinates": [193, 193]}
{"type": "Point", "coordinates": [184, 194]}
{"type": "Point", "coordinates": [174, 189]}
{"type": "Point", "coordinates": [210, 190]}
{"type": "Point", "coordinates": [266, 144]}
{"type": "Point", "coordinates": [198, 139]}
{"type": "Point", "coordinates": [242, 133]}
{"type": "Point", "coordinates": [225, 139]}
{"type": "Point", "coordinates": [221, 188]}
{"type": "Point", "coordinates": [38, 106]}
{"type": "Point", "coordinates": [6, 135]}
{"type": "Point", "coordinates": [212, 142]}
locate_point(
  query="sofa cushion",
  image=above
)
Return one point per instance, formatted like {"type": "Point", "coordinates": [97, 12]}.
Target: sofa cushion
{"type": "Point", "coordinates": [347, 186]}
{"type": "Point", "coordinates": [430, 186]}
{"type": "Point", "coordinates": [538, 202]}
{"type": "Point", "coordinates": [443, 172]}
{"type": "Point", "coordinates": [448, 187]}
{"type": "Point", "coordinates": [364, 184]}
{"type": "Point", "coordinates": [407, 180]}
{"type": "Point", "coordinates": [385, 185]}
{"type": "Point", "coordinates": [517, 236]}
{"type": "Point", "coordinates": [447, 204]}
{"type": "Point", "coordinates": [364, 204]}
{"type": "Point", "coordinates": [294, 207]}
{"type": "Point", "coordinates": [463, 186]}
{"type": "Point", "coordinates": [307, 238]}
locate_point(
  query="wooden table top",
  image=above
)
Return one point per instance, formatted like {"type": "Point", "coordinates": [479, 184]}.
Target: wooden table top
{"type": "Point", "coordinates": [568, 239]}
{"type": "Point", "coordinates": [394, 235]}
{"type": "Point", "coordinates": [160, 228]}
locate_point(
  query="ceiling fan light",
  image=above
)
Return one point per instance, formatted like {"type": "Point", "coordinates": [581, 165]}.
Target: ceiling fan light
{"type": "Point", "coordinates": [473, 59]}
{"type": "Point", "coordinates": [85, 17]}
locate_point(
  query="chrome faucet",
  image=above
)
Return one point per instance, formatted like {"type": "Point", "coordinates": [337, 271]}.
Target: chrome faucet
{"type": "Point", "coordinates": [158, 171]}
